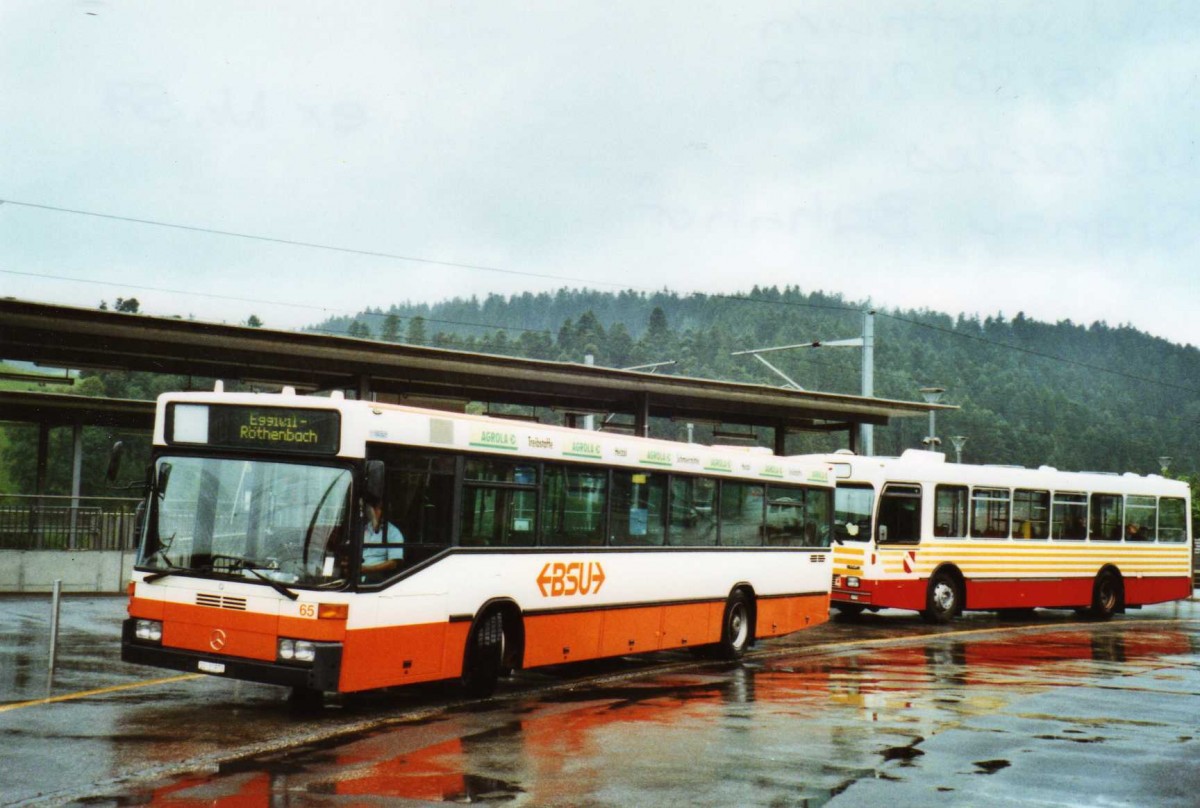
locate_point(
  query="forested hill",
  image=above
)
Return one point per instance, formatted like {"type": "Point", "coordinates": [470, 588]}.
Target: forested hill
{"type": "Point", "coordinates": [1093, 397]}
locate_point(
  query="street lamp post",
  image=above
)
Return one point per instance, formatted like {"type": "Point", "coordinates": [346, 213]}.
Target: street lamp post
{"type": "Point", "coordinates": [866, 342]}
{"type": "Point", "coordinates": [932, 395]}
{"type": "Point", "coordinates": [959, 441]}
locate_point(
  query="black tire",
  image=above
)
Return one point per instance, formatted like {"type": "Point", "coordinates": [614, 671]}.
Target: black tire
{"type": "Point", "coordinates": [737, 629]}
{"type": "Point", "coordinates": [482, 660]}
{"type": "Point", "coordinates": [306, 699]}
{"type": "Point", "coordinates": [1106, 596]}
{"type": "Point", "coordinates": [849, 610]}
{"type": "Point", "coordinates": [943, 600]}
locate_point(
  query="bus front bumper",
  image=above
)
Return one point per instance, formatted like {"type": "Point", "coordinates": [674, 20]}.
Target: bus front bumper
{"type": "Point", "coordinates": [850, 589]}
{"type": "Point", "coordinates": [322, 674]}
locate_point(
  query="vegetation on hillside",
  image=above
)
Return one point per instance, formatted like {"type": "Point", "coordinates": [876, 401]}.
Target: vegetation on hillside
{"type": "Point", "coordinates": [1093, 397]}
{"type": "Point", "coordinates": [1097, 397]}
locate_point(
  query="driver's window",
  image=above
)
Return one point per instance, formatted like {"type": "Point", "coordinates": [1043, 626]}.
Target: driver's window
{"type": "Point", "coordinates": [853, 506]}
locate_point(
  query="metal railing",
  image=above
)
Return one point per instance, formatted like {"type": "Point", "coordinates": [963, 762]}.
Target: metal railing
{"type": "Point", "coordinates": [31, 522]}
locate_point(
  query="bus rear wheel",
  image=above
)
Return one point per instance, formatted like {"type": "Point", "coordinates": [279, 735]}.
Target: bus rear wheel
{"type": "Point", "coordinates": [1106, 595]}
{"type": "Point", "coordinates": [736, 631]}
{"type": "Point", "coordinates": [943, 601]}
{"type": "Point", "coordinates": [483, 659]}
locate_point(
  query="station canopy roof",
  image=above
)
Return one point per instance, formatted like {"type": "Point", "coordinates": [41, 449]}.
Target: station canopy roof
{"type": "Point", "coordinates": [70, 337]}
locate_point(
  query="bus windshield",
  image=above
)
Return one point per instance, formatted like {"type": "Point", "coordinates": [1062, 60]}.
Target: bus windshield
{"type": "Point", "coordinates": [282, 523]}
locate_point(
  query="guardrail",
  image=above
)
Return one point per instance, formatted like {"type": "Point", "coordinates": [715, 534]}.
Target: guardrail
{"type": "Point", "coordinates": [30, 522]}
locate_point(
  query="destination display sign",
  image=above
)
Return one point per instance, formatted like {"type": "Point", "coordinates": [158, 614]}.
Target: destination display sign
{"type": "Point", "coordinates": [276, 429]}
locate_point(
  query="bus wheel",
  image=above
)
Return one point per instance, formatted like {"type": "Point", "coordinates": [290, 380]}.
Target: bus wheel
{"type": "Point", "coordinates": [306, 699]}
{"type": "Point", "coordinates": [1106, 595]}
{"type": "Point", "coordinates": [482, 662]}
{"type": "Point", "coordinates": [944, 599]}
{"type": "Point", "coordinates": [849, 610]}
{"type": "Point", "coordinates": [735, 627]}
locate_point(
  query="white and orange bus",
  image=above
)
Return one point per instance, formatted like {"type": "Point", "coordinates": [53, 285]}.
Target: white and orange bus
{"type": "Point", "coordinates": [918, 533]}
{"type": "Point", "coordinates": [512, 545]}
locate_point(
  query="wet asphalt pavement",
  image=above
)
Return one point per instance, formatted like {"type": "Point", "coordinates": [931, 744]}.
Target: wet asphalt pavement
{"type": "Point", "coordinates": [884, 710]}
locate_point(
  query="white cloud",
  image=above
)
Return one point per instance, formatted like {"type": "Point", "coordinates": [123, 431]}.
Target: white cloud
{"type": "Point", "coordinates": [910, 153]}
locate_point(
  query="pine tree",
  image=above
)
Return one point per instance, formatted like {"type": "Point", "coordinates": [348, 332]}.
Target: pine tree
{"type": "Point", "coordinates": [416, 331]}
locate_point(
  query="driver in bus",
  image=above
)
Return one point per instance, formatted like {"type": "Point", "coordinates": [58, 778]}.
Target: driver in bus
{"type": "Point", "coordinates": [383, 545]}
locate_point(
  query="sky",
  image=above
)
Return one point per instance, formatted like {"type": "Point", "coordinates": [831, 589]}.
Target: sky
{"type": "Point", "coordinates": [966, 157]}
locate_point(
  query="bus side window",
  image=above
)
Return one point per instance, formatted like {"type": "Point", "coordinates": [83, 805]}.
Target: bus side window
{"type": "Point", "coordinates": [950, 511]}
{"type": "Point", "coordinates": [638, 508]}
{"type": "Point", "coordinates": [1069, 516]}
{"type": "Point", "coordinates": [1107, 519]}
{"type": "Point", "coordinates": [990, 513]}
{"type": "Point", "coordinates": [693, 511]}
{"type": "Point", "coordinates": [574, 506]}
{"type": "Point", "coordinates": [899, 514]}
{"type": "Point", "coordinates": [498, 504]}
{"type": "Point", "coordinates": [743, 513]}
{"type": "Point", "coordinates": [1031, 514]}
{"type": "Point", "coordinates": [1141, 518]}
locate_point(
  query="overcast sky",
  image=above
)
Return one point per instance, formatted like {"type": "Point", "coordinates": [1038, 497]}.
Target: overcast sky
{"type": "Point", "coordinates": [965, 157]}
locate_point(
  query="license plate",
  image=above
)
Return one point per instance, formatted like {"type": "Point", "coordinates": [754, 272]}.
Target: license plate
{"type": "Point", "coordinates": [211, 667]}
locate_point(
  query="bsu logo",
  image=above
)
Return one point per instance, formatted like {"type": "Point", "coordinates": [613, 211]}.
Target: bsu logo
{"type": "Point", "coordinates": [577, 578]}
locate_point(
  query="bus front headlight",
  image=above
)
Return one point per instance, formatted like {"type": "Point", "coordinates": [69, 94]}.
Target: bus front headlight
{"type": "Point", "coordinates": [148, 630]}
{"type": "Point", "coordinates": [296, 651]}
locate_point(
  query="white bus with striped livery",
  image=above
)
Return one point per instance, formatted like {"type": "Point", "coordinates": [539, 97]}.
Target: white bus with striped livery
{"type": "Point", "coordinates": [918, 533]}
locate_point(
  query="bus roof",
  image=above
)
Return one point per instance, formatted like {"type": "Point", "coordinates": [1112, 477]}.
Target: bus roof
{"type": "Point", "coordinates": [365, 422]}
{"type": "Point", "coordinates": [918, 465]}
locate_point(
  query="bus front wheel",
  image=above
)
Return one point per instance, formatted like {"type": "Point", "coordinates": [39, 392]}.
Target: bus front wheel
{"type": "Point", "coordinates": [944, 598]}
{"type": "Point", "coordinates": [736, 631]}
{"type": "Point", "coordinates": [483, 660]}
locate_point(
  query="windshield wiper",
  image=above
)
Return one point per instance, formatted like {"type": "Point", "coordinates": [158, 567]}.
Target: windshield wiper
{"type": "Point", "coordinates": [155, 576]}
{"type": "Point", "coordinates": [253, 567]}
{"type": "Point", "coordinates": [170, 570]}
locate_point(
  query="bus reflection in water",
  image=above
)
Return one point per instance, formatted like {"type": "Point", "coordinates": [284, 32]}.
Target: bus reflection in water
{"type": "Point", "coordinates": [564, 753]}
{"type": "Point", "coordinates": [918, 533]}
{"type": "Point", "coordinates": [335, 545]}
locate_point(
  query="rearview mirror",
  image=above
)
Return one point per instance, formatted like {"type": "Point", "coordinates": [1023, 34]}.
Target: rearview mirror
{"type": "Point", "coordinates": [375, 481]}
{"type": "Point", "coordinates": [164, 477]}
{"type": "Point", "coordinates": [114, 461]}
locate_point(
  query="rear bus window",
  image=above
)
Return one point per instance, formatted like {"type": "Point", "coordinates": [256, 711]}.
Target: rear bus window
{"type": "Point", "coordinates": [1172, 520]}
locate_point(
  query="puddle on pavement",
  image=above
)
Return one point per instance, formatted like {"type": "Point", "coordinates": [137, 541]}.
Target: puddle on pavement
{"type": "Point", "coordinates": [905, 754]}
{"type": "Point", "coordinates": [991, 766]}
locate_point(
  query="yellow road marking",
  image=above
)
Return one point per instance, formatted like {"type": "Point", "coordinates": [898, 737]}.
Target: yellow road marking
{"type": "Point", "coordinates": [82, 694]}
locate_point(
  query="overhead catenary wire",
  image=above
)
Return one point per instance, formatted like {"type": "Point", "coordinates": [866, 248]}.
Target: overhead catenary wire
{"type": "Point", "coordinates": [327, 310]}
{"type": "Point", "coordinates": [546, 276]}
